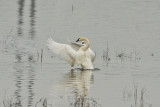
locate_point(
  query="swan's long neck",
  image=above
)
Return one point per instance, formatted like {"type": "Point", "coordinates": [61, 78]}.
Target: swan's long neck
{"type": "Point", "coordinates": [85, 47]}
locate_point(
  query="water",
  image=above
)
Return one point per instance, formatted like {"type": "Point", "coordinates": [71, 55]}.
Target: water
{"type": "Point", "coordinates": [125, 29]}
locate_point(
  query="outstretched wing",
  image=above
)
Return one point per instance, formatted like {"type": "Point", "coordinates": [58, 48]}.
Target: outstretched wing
{"type": "Point", "coordinates": [65, 51]}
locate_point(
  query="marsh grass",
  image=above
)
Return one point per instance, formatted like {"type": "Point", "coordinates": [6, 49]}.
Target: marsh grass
{"type": "Point", "coordinates": [137, 96]}
{"type": "Point", "coordinates": [41, 55]}
{"type": "Point", "coordinates": [105, 55]}
{"type": "Point", "coordinates": [12, 103]}
{"type": "Point", "coordinates": [43, 102]}
{"type": "Point", "coordinates": [132, 55]}
{"type": "Point", "coordinates": [122, 54]}
{"type": "Point", "coordinates": [82, 101]}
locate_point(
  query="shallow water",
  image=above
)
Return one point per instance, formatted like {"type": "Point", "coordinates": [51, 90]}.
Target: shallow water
{"type": "Point", "coordinates": [123, 33]}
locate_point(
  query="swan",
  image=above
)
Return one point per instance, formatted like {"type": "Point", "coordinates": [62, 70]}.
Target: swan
{"type": "Point", "coordinates": [74, 53]}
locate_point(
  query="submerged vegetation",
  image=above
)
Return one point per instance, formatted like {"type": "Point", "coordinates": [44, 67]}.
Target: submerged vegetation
{"type": "Point", "coordinates": [106, 53]}
{"type": "Point", "coordinates": [83, 101]}
{"type": "Point", "coordinates": [80, 101]}
{"type": "Point", "coordinates": [12, 103]}
{"type": "Point", "coordinates": [131, 55]}
{"type": "Point", "coordinates": [137, 96]}
{"type": "Point", "coordinates": [121, 54]}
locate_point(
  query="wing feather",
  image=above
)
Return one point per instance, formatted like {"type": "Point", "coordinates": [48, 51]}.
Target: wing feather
{"type": "Point", "coordinates": [64, 50]}
{"type": "Point", "coordinates": [92, 54]}
{"type": "Point", "coordinates": [75, 46]}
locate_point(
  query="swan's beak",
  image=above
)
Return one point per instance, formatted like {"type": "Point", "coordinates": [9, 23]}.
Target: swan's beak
{"type": "Point", "coordinates": [77, 40]}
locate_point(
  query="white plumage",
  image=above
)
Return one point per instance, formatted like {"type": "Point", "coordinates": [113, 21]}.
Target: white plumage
{"type": "Point", "coordinates": [74, 53]}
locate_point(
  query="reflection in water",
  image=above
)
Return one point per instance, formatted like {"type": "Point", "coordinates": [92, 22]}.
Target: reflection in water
{"type": "Point", "coordinates": [31, 73]}
{"type": "Point", "coordinates": [31, 81]}
{"type": "Point", "coordinates": [32, 20]}
{"type": "Point", "coordinates": [20, 71]}
{"type": "Point", "coordinates": [18, 76]}
{"type": "Point", "coordinates": [79, 83]}
{"type": "Point", "coordinates": [20, 17]}
{"type": "Point", "coordinates": [21, 4]}
{"type": "Point", "coordinates": [20, 66]}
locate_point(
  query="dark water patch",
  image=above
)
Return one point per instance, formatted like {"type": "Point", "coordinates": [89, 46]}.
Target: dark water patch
{"type": "Point", "coordinates": [21, 4]}
{"type": "Point", "coordinates": [112, 74]}
{"type": "Point", "coordinates": [24, 72]}
{"type": "Point", "coordinates": [30, 85]}
{"type": "Point", "coordinates": [32, 18]}
{"type": "Point", "coordinates": [19, 75]}
{"type": "Point", "coordinates": [32, 15]}
{"type": "Point", "coordinates": [96, 69]}
{"type": "Point", "coordinates": [81, 69]}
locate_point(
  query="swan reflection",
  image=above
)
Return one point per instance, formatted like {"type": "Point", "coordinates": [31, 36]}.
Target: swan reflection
{"type": "Point", "coordinates": [78, 83]}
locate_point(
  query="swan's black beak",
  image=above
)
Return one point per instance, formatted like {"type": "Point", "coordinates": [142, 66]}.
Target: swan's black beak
{"type": "Point", "coordinates": [77, 40]}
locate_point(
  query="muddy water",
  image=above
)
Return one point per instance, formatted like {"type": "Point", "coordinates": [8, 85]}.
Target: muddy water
{"type": "Point", "coordinates": [124, 34]}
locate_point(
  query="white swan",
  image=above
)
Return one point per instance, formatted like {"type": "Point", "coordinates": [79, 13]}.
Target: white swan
{"type": "Point", "coordinates": [74, 53]}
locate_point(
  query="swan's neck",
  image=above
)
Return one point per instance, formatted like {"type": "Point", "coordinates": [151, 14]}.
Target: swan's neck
{"type": "Point", "coordinates": [85, 47]}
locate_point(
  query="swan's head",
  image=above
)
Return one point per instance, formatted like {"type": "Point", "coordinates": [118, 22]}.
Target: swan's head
{"type": "Point", "coordinates": [86, 46]}
{"type": "Point", "coordinates": [81, 39]}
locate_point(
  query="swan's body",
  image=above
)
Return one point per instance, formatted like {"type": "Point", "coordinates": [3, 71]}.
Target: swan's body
{"type": "Point", "coordinates": [74, 53]}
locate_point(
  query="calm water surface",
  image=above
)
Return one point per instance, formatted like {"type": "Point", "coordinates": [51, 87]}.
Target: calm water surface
{"type": "Point", "coordinates": [128, 30]}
